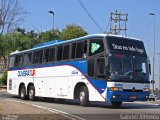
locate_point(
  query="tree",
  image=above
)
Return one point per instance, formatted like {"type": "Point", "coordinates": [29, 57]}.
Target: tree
{"type": "Point", "coordinates": [72, 31]}
{"type": "Point", "coordinates": [11, 15]}
{"type": "Point", "coordinates": [12, 42]}
{"type": "Point", "coordinates": [49, 35]}
{"type": "Point", "coordinates": [3, 79]}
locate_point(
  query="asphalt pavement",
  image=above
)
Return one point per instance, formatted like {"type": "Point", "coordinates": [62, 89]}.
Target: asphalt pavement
{"type": "Point", "coordinates": [96, 111]}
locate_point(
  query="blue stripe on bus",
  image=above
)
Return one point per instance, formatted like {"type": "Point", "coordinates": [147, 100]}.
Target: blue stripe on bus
{"type": "Point", "coordinates": [81, 65]}
{"type": "Point", "coordinates": [99, 84]}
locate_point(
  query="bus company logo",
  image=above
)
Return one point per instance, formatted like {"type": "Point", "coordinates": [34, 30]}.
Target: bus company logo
{"type": "Point", "coordinates": [118, 85]}
{"type": "Point", "coordinates": [24, 73]}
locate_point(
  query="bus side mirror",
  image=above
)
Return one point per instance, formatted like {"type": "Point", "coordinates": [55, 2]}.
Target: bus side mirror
{"type": "Point", "coordinates": [149, 68]}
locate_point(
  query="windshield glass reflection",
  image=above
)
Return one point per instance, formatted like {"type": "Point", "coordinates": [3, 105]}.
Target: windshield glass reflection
{"type": "Point", "coordinates": [127, 67]}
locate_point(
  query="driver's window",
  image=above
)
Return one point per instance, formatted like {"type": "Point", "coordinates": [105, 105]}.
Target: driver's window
{"type": "Point", "coordinates": [100, 70]}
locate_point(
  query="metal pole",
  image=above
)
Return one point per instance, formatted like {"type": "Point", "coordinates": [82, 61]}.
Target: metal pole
{"type": "Point", "coordinates": [153, 55]}
{"type": "Point", "coordinates": [159, 77]}
{"type": "Point", "coordinates": [53, 18]}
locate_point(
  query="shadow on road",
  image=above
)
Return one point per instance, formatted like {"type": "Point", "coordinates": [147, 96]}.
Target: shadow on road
{"type": "Point", "coordinates": [129, 105]}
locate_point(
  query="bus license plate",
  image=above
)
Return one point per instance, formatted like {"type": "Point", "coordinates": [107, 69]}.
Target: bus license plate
{"type": "Point", "coordinates": [133, 97]}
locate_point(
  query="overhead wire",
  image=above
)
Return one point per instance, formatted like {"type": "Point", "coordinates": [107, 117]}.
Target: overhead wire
{"type": "Point", "coordinates": [108, 25]}
{"type": "Point", "coordinates": [94, 21]}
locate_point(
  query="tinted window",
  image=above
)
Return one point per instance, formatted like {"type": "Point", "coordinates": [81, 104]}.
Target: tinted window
{"type": "Point", "coordinates": [38, 57]}
{"type": "Point", "coordinates": [100, 70]}
{"type": "Point", "coordinates": [59, 53]}
{"type": "Point", "coordinates": [51, 54]}
{"type": "Point", "coordinates": [80, 50]}
{"type": "Point", "coordinates": [18, 60]}
{"type": "Point", "coordinates": [96, 46]}
{"type": "Point", "coordinates": [73, 50]}
{"type": "Point", "coordinates": [46, 55]}
{"type": "Point", "coordinates": [27, 59]}
{"type": "Point", "coordinates": [66, 52]}
{"type": "Point", "coordinates": [11, 61]}
{"type": "Point", "coordinates": [91, 68]}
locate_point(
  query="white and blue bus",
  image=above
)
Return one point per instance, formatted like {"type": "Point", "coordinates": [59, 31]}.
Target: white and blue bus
{"type": "Point", "coordinates": [100, 67]}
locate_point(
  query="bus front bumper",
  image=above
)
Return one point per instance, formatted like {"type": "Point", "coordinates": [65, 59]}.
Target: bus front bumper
{"type": "Point", "coordinates": [127, 96]}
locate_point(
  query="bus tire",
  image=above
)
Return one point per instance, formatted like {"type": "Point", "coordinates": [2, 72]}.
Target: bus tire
{"type": "Point", "coordinates": [22, 93]}
{"type": "Point", "coordinates": [116, 104]}
{"type": "Point", "coordinates": [84, 96]}
{"type": "Point", "coordinates": [31, 93]}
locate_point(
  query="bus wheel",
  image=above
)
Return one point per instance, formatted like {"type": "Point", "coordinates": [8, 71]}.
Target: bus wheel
{"type": "Point", "coordinates": [116, 104]}
{"type": "Point", "coordinates": [31, 93]}
{"type": "Point", "coordinates": [83, 96]}
{"type": "Point", "coordinates": [22, 93]}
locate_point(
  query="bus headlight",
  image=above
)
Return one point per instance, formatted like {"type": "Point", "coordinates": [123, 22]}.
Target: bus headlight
{"type": "Point", "coordinates": [146, 89]}
{"type": "Point", "coordinates": [116, 89]}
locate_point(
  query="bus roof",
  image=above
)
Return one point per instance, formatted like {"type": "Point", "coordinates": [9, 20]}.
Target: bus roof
{"type": "Point", "coordinates": [58, 42]}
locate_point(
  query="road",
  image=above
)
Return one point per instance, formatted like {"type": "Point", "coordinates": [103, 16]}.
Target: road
{"type": "Point", "coordinates": [101, 111]}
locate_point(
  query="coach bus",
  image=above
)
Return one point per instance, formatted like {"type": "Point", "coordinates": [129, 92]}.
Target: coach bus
{"type": "Point", "coordinates": [100, 67]}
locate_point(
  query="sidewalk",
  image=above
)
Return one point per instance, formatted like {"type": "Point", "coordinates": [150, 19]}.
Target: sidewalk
{"type": "Point", "coordinates": [19, 111]}
{"type": "Point", "coordinates": [3, 88]}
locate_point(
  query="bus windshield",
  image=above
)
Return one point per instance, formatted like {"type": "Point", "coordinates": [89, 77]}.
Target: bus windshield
{"type": "Point", "coordinates": [128, 68]}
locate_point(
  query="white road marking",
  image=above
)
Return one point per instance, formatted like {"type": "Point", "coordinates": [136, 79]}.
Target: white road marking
{"type": "Point", "coordinates": [65, 114]}
{"type": "Point", "coordinates": [147, 103]}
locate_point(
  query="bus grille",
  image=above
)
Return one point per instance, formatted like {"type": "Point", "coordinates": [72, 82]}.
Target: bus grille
{"type": "Point", "coordinates": [131, 90]}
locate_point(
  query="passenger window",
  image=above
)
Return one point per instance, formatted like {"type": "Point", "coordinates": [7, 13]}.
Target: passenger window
{"type": "Point", "coordinates": [96, 46]}
{"type": "Point", "coordinates": [80, 50]}
{"type": "Point", "coordinates": [66, 52]}
{"type": "Point", "coordinates": [11, 61]}
{"type": "Point", "coordinates": [59, 53]}
{"type": "Point", "coordinates": [46, 55]}
{"type": "Point", "coordinates": [38, 57]}
{"type": "Point", "coordinates": [27, 59]}
{"type": "Point", "coordinates": [51, 54]}
{"type": "Point", "coordinates": [73, 50]}
{"type": "Point", "coordinates": [18, 60]}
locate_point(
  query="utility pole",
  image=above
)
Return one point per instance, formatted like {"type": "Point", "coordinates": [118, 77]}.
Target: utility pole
{"type": "Point", "coordinates": [159, 77]}
{"type": "Point", "coordinates": [154, 49]}
{"type": "Point", "coordinates": [118, 22]}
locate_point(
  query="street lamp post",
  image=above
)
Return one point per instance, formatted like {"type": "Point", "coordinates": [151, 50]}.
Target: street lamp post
{"type": "Point", "coordinates": [153, 81]}
{"type": "Point", "coordinates": [51, 12]}
{"type": "Point", "coordinates": [159, 77]}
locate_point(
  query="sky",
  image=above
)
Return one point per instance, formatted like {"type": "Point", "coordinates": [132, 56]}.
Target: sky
{"type": "Point", "coordinates": [140, 24]}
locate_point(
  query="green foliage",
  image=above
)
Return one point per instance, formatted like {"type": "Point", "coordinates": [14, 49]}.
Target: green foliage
{"type": "Point", "coordinates": [49, 35]}
{"type": "Point", "coordinates": [22, 40]}
{"type": "Point", "coordinates": [14, 41]}
{"type": "Point", "coordinates": [3, 79]}
{"type": "Point", "coordinates": [72, 31]}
